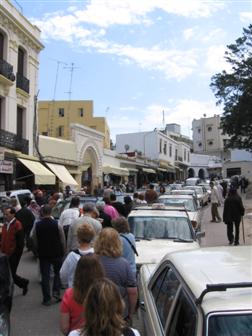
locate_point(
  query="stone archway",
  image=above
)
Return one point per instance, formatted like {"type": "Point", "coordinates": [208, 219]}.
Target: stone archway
{"type": "Point", "coordinates": [191, 172]}
{"type": "Point", "coordinates": [201, 174]}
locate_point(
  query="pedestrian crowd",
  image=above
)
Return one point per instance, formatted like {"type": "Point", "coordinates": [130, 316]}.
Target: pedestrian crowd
{"type": "Point", "coordinates": [91, 253]}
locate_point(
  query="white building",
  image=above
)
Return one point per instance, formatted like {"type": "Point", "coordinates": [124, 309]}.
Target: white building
{"type": "Point", "coordinates": [204, 166]}
{"type": "Point", "coordinates": [172, 157]}
{"type": "Point", "coordinates": [19, 51]}
{"type": "Point", "coordinates": [239, 164]}
{"type": "Point", "coordinates": [208, 137]}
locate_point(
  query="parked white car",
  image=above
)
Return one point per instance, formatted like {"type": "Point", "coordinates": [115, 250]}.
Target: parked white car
{"type": "Point", "coordinates": [159, 230]}
{"type": "Point", "coordinates": [190, 204]}
{"type": "Point", "coordinates": [201, 194]}
{"type": "Point", "coordinates": [203, 292]}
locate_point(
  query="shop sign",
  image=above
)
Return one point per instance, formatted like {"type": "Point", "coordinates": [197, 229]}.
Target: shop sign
{"type": "Point", "coordinates": [6, 167]}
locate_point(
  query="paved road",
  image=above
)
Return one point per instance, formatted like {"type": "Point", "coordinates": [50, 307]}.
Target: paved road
{"type": "Point", "coordinates": [29, 317]}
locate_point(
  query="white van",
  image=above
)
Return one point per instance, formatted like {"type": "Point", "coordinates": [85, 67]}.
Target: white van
{"type": "Point", "coordinates": [192, 181]}
{"type": "Point", "coordinates": [20, 194]}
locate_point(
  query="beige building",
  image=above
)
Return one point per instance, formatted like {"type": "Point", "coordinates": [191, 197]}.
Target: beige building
{"type": "Point", "coordinates": [19, 64]}
{"type": "Point", "coordinates": [55, 118]}
{"type": "Point", "coordinates": [208, 137]}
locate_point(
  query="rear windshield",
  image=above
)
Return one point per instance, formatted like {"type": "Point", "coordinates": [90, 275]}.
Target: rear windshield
{"type": "Point", "coordinates": [230, 325]}
{"type": "Point", "coordinates": [187, 203]}
{"type": "Point", "coordinates": [160, 227]}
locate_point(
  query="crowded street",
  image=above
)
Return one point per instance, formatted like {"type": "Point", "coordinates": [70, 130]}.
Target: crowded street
{"type": "Point", "coordinates": [29, 317]}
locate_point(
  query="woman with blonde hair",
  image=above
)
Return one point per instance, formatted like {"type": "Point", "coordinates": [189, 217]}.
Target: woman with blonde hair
{"type": "Point", "coordinates": [72, 311]}
{"type": "Point", "coordinates": [103, 312]}
{"type": "Point", "coordinates": [108, 247]}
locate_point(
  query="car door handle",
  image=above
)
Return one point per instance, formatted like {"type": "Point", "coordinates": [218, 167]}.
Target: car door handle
{"type": "Point", "coordinates": [142, 306]}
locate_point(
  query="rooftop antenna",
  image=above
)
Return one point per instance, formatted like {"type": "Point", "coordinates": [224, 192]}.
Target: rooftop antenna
{"type": "Point", "coordinates": [71, 68]}
{"type": "Point", "coordinates": [56, 76]}
{"type": "Point", "coordinates": [163, 119]}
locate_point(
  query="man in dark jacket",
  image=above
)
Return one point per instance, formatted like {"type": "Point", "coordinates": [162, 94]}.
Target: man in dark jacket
{"type": "Point", "coordinates": [233, 211]}
{"type": "Point", "coordinates": [49, 239]}
{"type": "Point", "coordinates": [26, 217]}
{"type": "Point", "coordinates": [12, 245]}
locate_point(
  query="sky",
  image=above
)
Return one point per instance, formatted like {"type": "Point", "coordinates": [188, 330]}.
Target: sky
{"type": "Point", "coordinates": [144, 63]}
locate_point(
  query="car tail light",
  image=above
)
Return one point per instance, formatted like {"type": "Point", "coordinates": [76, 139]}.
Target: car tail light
{"type": "Point", "coordinates": [194, 224]}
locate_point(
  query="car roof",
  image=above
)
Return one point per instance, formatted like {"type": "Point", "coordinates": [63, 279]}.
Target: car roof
{"type": "Point", "coordinates": [172, 211]}
{"type": "Point", "coordinates": [217, 265]}
{"type": "Point", "coordinates": [174, 196]}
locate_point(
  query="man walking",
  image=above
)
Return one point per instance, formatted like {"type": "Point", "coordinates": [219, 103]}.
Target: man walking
{"type": "Point", "coordinates": [233, 211]}
{"type": "Point", "coordinates": [69, 215]}
{"type": "Point", "coordinates": [12, 245]}
{"type": "Point", "coordinates": [215, 202]}
{"type": "Point", "coordinates": [49, 239]}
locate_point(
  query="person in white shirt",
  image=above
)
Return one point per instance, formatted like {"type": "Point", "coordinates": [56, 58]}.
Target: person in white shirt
{"type": "Point", "coordinates": [68, 216]}
{"type": "Point", "coordinates": [85, 235]}
{"type": "Point", "coordinates": [215, 202]}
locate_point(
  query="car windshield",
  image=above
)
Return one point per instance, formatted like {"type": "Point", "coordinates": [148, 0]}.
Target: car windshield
{"type": "Point", "coordinates": [187, 203]}
{"type": "Point", "coordinates": [230, 325]}
{"type": "Point", "coordinates": [160, 227]}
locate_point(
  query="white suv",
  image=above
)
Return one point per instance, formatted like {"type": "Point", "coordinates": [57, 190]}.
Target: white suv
{"type": "Point", "coordinates": [206, 292]}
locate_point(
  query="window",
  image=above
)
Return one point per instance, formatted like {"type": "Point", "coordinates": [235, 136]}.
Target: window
{"type": "Point", "coordinates": [160, 146]}
{"type": "Point", "coordinates": [164, 291]}
{"type": "Point", "coordinates": [81, 112]}
{"type": "Point", "coordinates": [176, 154]}
{"type": "Point", "coordinates": [165, 147]}
{"type": "Point", "coordinates": [188, 156]}
{"type": "Point", "coordinates": [184, 155]}
{"type": "Point", "coordinates": [21, 60]}
{"type": "Point", "coordinates": [61, 112]}
{"type": "Point", "coordinates": [1, 45]}
{"type": "Point", "coordinates": [20, 116]}
{"type": "Point", "coordinates": [210, 143]}
{"type": "Point", "coordinates": [184, 319]}
{"type": "Point", "coordinates": [61, 131]}
{"type": "Point", "coordinates": [170, 150]}
{"type": "Point", "coordinates": [45, 133]}
{"type": "Point", "coordinates": [93, 127]}
{"type": "Point", "coordinates": [209, 128]}
{"type": "Point", "coordinates": [199, 130]}
{"type": "Point", "coordinates": [200, 144]}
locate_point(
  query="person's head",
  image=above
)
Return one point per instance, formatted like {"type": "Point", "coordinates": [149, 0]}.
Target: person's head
{"type": "Point", "coordinates": [46, 210]}
{"type": "Point", "coordinates": [108, 243]}
{"type": "Point", "coordinates": [75, 202]}
{"type": "Point", "coordinates": [88, 208]}
{"type": "Point", "coordinates": [121, 225]}
{"type": "Point", "coordinates": [112, 197]}
{"type": "Point", "coordinates": [127, 200]}
{"type": "Point", "coordinates": [162, 189]}
{"type": "Point", "coordinates": [88, 270]}
{"type": "Point", "coordinates": [211, 184]}
{"type": "Point", "coordinates": [106, 200]}
{"type": "Point", "coordinates": [103, 309]}
{"type": "Point", "coordinates": [8, 193]}
{"type": "Point", "coordinates": [100, 205]}
{"type": "Point", "coordinates": [141, 196]}
{"type": "Point", "coordinates": [135, 195]}
{"type": "Point", "coordinates": [232, 191]}
{"type": "Point", "coordinates": [9, 213]}
{"type": "Point", "coordinates": [13, 202]}
{"type": "Point", "coordinates": [85, 233]}
{"type": "Point", "coordinates": [151, 186]}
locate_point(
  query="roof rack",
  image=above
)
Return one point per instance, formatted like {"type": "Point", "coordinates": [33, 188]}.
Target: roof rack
{"type": "Point", "coordinates": [221, 288]}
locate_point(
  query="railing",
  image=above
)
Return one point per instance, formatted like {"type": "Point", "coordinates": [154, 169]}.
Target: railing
{"type": "Point", "coordinates": [23, 83]}
{"type": "Point", "coordinates": [12, 141]}
{"type": "Point", "coordinates": [6, 70]}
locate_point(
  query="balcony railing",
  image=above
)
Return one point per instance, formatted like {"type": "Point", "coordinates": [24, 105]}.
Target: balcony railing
{"type": "Point", "coordinates": [6, 70]}
{"type": "Point", "coordinates": [12, 141]}
{"type": "Point", "coordinates": [23, 83]}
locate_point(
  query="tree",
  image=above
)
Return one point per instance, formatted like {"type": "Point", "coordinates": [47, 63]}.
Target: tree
{"type": "Point", "coordinates": [233, 89]}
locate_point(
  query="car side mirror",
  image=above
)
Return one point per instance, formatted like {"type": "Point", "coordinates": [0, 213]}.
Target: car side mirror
{"type": "Point", "coordinates": [200, 234]}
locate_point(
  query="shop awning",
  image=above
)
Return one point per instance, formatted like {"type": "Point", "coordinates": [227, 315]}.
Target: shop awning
{"type": "Point", "coordinates": [42, 175]}
{"type": "Point", "coordinates": [115, 170]}
{"type": "Point", "coordinates": [62, 173]}
{"type": "Point", "coordinates": [162, 169]}
{"type": "Point", "coordinates": [133, 170]}
{"type": "Point", "coordinates": [149, 170]}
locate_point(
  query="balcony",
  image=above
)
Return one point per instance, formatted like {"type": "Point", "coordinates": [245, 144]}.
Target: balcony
{"type": "Point", "coordinates": [6, 70]}
{"type": "Point", "coordinates": [23, 83]}
{"type": "Point", "coordinates": [12, 141]}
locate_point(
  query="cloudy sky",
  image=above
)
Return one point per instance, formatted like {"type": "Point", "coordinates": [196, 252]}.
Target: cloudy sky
{"type": "Point", "coordinates": [137, 58]}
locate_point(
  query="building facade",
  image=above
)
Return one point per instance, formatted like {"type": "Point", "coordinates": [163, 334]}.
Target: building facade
{"type": "Point", "coordinates": [19, 64]}
{"type": "Point", "coordinates": [54, 118]}
{"type": "Point", "coordinates": [208, 137]}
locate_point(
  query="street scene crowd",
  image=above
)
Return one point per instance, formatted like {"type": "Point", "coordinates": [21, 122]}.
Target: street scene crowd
{"type": "Point", "coordinates": [86, 251]}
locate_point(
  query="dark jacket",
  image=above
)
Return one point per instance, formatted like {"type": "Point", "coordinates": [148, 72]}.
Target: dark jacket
{"type": "Point", "coordinates": [50, 238]}
{"type": "Point", "coordinates": [26, 217]}
{"type": "Point", "coordinates": [233, 209]}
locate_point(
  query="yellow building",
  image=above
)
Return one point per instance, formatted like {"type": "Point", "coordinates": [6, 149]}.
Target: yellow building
{"type": "Point", "coordinates": [55, 117]}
